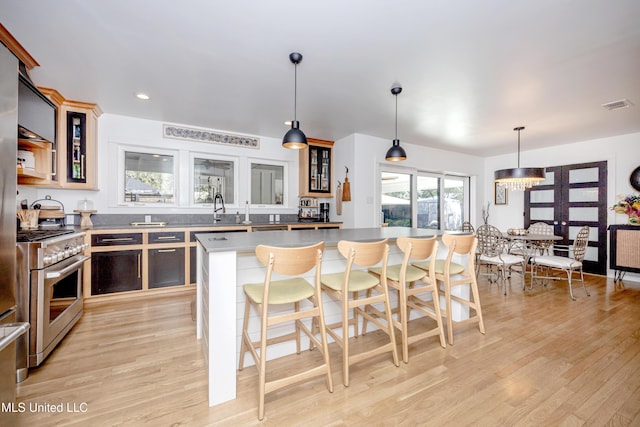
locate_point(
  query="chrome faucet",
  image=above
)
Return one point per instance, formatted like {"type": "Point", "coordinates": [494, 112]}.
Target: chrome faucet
{"type": "Point", "coordinates": [216, 208]}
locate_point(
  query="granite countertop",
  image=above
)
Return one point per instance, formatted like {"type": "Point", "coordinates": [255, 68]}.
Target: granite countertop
{"type": "Point", "coordinates": [201, 225]}
{"type": "Point", "coordinates": [241, 242]}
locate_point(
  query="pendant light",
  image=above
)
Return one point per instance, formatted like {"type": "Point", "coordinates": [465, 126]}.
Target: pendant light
{"type": "Point", "coordinates": [295, 138]}
{"type": "Point", "coordinates": [519, 179]}
{"type": "Point", "coordinates": [396, 153]}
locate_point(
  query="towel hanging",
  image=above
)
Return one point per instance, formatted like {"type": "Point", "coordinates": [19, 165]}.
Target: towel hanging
{"type": "Point", "coordinates": [346, 188]}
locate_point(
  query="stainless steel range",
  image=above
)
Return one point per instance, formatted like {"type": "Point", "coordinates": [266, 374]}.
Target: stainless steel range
{"type": "Point", "coordinates": [49, 289]}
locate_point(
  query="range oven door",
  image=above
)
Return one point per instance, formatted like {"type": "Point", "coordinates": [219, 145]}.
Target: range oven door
{"type": "Point", "coordinates": [56, 305]}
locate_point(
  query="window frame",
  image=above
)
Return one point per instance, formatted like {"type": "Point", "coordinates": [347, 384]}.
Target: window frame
{"type": "Point", "coordinates": [285, 182]}
{"type": "Point", "coordinates": [415, 173]}
{"type": "Point", "coordinates": [236, 174]}
{"type": "Point", "coordinates": [121, 173]}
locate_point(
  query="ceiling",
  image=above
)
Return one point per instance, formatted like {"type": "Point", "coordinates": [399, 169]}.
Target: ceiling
{"type": "Point", "coordinates": [470, 70]}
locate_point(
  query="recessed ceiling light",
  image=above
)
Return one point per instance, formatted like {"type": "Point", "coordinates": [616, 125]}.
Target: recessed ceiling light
{"type": "Point", "coordinates": [287, 123]}
{"type": "Point", "coordinates": [142, 96]}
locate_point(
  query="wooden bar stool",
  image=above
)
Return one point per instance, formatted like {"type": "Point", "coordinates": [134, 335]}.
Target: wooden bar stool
{"type": "Point", "coordinates": [452, 274]}
{"type": "Point", "coordinates": [354, 282]}
{"type": "Point", "coordinates": [412, 284]}
{"type": "Point", "coordinates": [294, 290]}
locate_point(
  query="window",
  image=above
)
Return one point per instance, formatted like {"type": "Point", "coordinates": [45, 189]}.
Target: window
{"type": "Point", "coordinates": [428, 202]}
{"type": "Point", "coordinates": [439, 202]}
{"type": "Point", "coordinates": [149, 177]}
{"type": "Point", "coordinates": [396, 199]}
{"type": "Point", "coordinates": [268, 183]}
{"type": "Point", "coordinates": [454, 202]}
{"type": "Point", "coordinates": [213, 176]}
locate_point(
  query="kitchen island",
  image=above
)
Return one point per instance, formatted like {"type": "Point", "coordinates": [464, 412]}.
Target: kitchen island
{"type": "Point", "coordinates": [227, 260]}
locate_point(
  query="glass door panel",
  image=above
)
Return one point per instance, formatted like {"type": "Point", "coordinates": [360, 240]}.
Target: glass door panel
{"type": "Point", "coordinates": [583, 195]}
{"type": "Point", "coordinates": [453, 196]}
{"type": "Point", "coordinates": [583, 214]}
{"type": "Point", "coordinates": [395, 199]}
{"type": "Point", "coordinates": [428, 188]}
{"type": "Point", "coordinates": [542, 196]}
{"type": "Point", "coordinates": [583, 175]}
{"type": "Point", "coordinates": [542, 214]}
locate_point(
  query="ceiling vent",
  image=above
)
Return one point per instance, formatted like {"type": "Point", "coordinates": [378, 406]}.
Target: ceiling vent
{"type": "Point", "coordinates": [615, 105]}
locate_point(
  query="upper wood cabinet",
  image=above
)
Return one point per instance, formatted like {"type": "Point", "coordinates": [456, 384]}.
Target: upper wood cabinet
{"type": "Point", "coordinates": [75, 155]}
{"type": "Point", "coordinates": [316, 169]}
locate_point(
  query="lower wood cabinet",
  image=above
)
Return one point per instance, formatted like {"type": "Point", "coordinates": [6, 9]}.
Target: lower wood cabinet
{"type": "Point", "coordinates": [166, 267]}
{"type": "Point", "coordinates": [116, 271]}
{"type": "Point", "coordinates": [141, 260]}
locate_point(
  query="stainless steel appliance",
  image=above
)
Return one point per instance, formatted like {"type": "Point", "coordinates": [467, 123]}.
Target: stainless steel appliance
{"type": "Point", "coordinates": [9, 330]}
{"type": "Point", "coordinates": [324, 212]}
{"type": "Point", "coordinates": [50, 279]}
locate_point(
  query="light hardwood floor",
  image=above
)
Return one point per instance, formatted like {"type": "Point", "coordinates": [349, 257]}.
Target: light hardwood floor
{"type": "Point", "coordinates": [544, 361]}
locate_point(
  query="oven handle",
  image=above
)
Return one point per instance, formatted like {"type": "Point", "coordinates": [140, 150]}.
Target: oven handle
{"type": "Point", "coordinates": [59, 273]}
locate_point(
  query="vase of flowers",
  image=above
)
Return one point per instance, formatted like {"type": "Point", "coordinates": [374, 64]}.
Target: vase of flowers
{"type": "Point", "coordinates": [630, 206]}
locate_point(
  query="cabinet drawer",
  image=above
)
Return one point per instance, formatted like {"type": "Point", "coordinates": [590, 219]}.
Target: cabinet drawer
{"type": "Point", "coordinates": [166, 237]}
{"type": "Point", "coordinates": [192, 236]}
{"type": "Point", "coordinates": [116, 239]}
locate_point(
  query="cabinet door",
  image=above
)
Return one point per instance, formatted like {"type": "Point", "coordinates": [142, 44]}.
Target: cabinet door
{"type": "Point", "coordinates": [77, 164]}
{"type": "Point", "coordinates": [193, 264]}
{"type": "Point", "coordinates": [166, 267]}
{"type": "Point", "coordinates": [116, 271]}
{"type": "Point", "coordinates": [316, 169]}
{"type": "Point", "coordinates": [76, 147]}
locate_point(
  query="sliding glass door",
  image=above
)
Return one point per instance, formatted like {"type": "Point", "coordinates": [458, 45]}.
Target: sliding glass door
{"type": "Point", "coordinates": [439, 202]}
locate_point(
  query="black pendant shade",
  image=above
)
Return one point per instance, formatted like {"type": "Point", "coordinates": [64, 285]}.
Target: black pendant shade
{"type": "Point", "coordinates": [396, 153]}
{"type": "Point", "coordinates": [295, 138]}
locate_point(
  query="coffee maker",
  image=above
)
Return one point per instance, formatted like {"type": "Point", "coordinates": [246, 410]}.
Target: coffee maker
{"type": "Point", "coordinates": [324, 212]}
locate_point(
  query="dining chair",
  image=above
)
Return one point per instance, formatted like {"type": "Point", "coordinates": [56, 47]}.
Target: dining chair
{"type": "Point", "coordinates": [292, 290]}
{"type": "Point", "coordinates": [365, 289]}
{"type": "Point", "coordinates": [491, 252]}
{"type": "Point", "coordinates": [452, 275]}
{"type": "Point", "coordinates": [467, 227]}
{"type": "Point", "coordinates": [541, 246]}
{"type": "Point", "coordinates": [413, 285]}
{"type": "Point", "coordinates": [567, 264]}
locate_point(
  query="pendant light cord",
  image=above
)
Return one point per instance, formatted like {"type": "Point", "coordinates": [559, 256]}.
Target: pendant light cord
{"type": "Point", "coordinates": [396, 95]}
{"type": "Point", "coordinates": [295, 91]}
{"type": "Point", "coordinates": [518, 148]}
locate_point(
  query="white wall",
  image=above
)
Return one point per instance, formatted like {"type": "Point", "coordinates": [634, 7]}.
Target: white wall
{"type": "Point", "coordinates": [115, 129]}
{"type": "Point", "coordinates": [366, 154]}
{"type": "Point", "coordinates": [622, 154]}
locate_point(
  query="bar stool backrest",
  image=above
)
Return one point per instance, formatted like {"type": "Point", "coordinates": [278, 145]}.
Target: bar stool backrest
{"type": "Point", "coordinates": [364, 254]}
{"type": "Point", "coordinates": [290, 261]}
{"type": "Point", "coordinates": [417, 248]}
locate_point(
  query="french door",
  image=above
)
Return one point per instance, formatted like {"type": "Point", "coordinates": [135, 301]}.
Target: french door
{"type": "Point", "coordinates": [570, 197]}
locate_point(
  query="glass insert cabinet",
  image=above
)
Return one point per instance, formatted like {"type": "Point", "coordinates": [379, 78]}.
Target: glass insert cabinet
{"type": "Point", "coordinates": [316, 169]}
{"type": "Point", "coordinates": [74, 154]}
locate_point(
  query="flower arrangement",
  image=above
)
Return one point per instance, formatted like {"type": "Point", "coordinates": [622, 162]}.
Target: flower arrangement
{"type": "Point", "coordinates": [630, 206]}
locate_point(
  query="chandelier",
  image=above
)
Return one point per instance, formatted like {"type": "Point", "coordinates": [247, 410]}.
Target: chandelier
{"type": "Point", "coordinates": [519, 179]}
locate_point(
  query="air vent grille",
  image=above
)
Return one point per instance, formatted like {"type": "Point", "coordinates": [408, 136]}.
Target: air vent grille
{"type": "Point", "coordinates": [615, 105]}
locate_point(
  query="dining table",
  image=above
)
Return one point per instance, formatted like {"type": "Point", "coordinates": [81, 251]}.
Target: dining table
{"type": "Point", "coordinates": [527, 243]}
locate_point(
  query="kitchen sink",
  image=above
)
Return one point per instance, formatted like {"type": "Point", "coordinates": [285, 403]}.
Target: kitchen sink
{"type": "Point", "coordinates": [149, 224]}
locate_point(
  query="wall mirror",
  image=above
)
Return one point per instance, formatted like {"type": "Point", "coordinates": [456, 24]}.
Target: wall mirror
{"type": "Point", "coordinates": [268, 183]}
